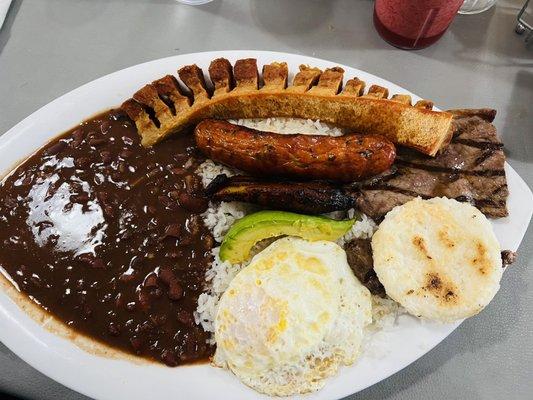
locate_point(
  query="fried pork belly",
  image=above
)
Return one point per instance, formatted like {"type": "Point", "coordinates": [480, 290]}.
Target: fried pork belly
{"type": "Point", "coordinates": [167, 106]}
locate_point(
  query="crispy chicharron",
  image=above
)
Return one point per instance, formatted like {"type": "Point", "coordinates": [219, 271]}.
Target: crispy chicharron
{"type": "Point", "coordinates": [165, 107]}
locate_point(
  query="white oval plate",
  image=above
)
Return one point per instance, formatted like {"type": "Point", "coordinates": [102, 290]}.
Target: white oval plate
{"type": "Point", "coordinates": [112, 379]}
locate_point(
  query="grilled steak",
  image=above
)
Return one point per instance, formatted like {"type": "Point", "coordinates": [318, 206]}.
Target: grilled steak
{"type": "Point", "coordinates": [508, 258]}
{"type": "Point", "coordinates": [469, 169]}
{"type": "Point", "coordinates": [359, 255]}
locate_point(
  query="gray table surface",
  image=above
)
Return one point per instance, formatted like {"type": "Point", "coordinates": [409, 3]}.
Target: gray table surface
{"type": "Point", "coordinates": [48, 48]}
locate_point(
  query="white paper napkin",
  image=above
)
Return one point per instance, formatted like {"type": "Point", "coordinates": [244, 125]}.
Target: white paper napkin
{"type": "Point", "coordinates": [4, 6]}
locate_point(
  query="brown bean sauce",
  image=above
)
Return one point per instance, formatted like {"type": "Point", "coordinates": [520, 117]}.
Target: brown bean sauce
{"type": "Point", "coordinates": [106, 235]}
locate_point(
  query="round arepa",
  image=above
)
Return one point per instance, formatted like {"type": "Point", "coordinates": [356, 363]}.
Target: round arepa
{"type": "Point", "coordinates": [438, 258]}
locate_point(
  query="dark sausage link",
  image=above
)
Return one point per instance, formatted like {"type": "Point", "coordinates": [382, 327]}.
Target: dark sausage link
{"type": "Point", "coordinates": [345, 158]}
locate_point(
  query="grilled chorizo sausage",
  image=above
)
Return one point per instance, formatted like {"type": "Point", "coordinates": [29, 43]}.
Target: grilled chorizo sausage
{"type": "Point", "coordinates": [345, 158]}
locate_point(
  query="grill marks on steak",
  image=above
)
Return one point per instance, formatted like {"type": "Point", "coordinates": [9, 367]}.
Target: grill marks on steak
{"type": "Point", "coordinates": [470, 168]}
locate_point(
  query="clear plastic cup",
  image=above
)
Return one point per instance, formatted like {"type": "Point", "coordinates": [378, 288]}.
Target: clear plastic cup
{"type": "Point", "coordinates": [476, 6]}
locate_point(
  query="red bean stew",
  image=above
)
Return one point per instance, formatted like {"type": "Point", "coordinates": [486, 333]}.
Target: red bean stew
{"type": "Point", "coordinates": [107, 236]}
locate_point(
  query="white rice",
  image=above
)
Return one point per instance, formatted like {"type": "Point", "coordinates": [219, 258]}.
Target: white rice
{"type": "Point", "coordinates": [218, 278]}
{"type": "Point", "coordinates": [291, 125]}
{"type": "Point", "coordinates": [362, 229]}
{"type": "Point", "coordinates": [385, 313]}
{"type": "Point", "coordinates": [209, 170]}
{"type": "Point", "coordinates": [219, 217]}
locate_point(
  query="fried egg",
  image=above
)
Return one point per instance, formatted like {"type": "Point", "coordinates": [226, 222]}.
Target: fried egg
{"type": "Point", "coordinates": [291, 317]}
{"type": "Point", "coordinates": [438, 258]}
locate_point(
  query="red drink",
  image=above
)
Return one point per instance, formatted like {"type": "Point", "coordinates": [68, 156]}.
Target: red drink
{"type": "Point", "coordinates": [414, 24]}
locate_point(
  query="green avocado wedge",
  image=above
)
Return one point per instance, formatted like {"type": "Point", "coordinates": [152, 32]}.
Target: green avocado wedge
{"type": "Point", "coordinates": [249, 230]}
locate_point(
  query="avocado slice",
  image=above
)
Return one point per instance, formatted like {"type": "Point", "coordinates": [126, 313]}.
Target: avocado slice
{"type": "Point", "coordinates": [249, 230]}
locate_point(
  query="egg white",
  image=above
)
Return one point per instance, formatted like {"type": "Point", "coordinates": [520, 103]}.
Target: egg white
{"type": "Point", "coordinates": [289, 319]}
